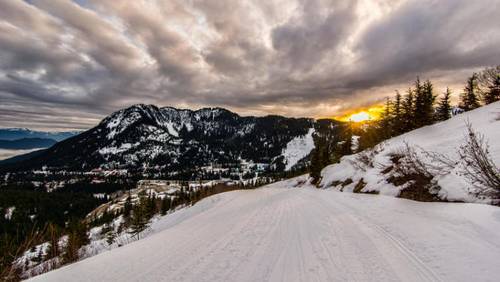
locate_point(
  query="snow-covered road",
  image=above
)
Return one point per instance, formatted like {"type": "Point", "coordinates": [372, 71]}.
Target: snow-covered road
{"type": "Point", "coordinates": [304, 234]}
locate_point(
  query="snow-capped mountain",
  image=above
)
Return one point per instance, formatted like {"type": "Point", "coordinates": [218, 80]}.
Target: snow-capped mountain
{"type": "Point", "coordinates": [22, 133]}
{"type": "Point", "coordinates": [170, 139]}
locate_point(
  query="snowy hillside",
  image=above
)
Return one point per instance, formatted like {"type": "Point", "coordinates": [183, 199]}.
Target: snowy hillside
{"type": "Point", "coordinates": [370, 171]}
{"type": "Point", "coordinates": [281, 233]}
{"type": "Point", "coordinates": [298, 149]}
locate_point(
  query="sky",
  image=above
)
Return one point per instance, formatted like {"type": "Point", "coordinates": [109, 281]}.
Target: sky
{"type": "Point", "coordinates": [65, 64]}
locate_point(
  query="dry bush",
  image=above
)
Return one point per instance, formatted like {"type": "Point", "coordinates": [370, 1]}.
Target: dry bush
{"type": "Point", "coordinates": [365, 159]}
{"type": "Point", "coordinates": [11, 269]}
{"type": "Point", "coordinates": [474, 163]}
{"type": "Point", "coordinates": [439, 164]}
{"type": "Point", "coordinates": [477, 165]}
{"type": "Point", "coordinates": [410, 163]}
{"type": "Point", "coordinates": [410, 171]}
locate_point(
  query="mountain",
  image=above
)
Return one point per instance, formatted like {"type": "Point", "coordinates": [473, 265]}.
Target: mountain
{"type": "Point", "coordinates": [179, 141]}
{"type": "Point", "coordinates": [20, 133]}
{"type": "Point", "coordinates": [27, 143]}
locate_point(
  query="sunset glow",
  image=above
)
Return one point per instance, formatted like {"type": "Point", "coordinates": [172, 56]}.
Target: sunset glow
{"type": "Point", "coordinates": [362, 115]}
{"type": "Point", "coordinates": [359, 117]}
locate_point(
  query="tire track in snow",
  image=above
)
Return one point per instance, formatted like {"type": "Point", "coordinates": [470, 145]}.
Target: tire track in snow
{"type": "Point", "coordinates": [369, 227]}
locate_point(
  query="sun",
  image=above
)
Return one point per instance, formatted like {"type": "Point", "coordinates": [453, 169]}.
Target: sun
{"type": "Point", "coordinates": [360, 117]}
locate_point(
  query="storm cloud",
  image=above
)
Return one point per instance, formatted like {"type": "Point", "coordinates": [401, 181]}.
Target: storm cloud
{"type": "Point", "coordinates": [66, 64]}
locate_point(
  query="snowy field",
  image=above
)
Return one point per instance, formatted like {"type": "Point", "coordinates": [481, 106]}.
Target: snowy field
{"type": "Point", "coordinates": [280, 233]}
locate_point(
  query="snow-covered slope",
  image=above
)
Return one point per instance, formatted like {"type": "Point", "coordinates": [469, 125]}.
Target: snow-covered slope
{"type": "Point", "coordinates": [305, 234]}
{"type": "Point", "coordinates": [298, 149]}
{"type": "Point", "coordinates": [444, 138]}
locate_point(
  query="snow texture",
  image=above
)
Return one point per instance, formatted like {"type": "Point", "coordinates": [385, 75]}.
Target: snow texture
{"type": "Point", "coordinates": [282, 233]}
{"type": "Point", "coordinates": [297, 149]}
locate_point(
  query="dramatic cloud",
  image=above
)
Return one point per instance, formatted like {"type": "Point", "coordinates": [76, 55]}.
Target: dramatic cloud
{"type": "Point", "coordinates": [66, 64]}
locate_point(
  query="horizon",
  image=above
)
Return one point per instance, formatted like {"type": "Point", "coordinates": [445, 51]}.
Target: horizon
{"type": "Point", "coordinates": [65, 65]}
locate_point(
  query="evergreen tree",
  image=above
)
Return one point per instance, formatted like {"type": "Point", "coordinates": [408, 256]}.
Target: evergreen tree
{"type": "Point", "coordinates": [407, 112]}
{"type": "Point", "coordinates": [139, 220]}
{"type": "Point", "coordinates": [489, 84]}
{"type": "Point", "coordinates": [77, 237]}
{"type": "Point", "coordinates": [127, 207]}
{"type": "Point", "coordinates": [165, 205]}
{"type": "Point", "coordinates": [386, 121]}
{"type": "Point", "coordinates": [493, 93]}
{"type": "Point", "coordinates": [469, 99]}
{"type": "Point", "coordinates": [317, 160]}
{"type": "Point", "coordinates": [418, 109]}
{"type": "Point", "coordinates": [443, 111]}
{"type": "Point", "coordinates": [428, 99]}
{"type": "Point", "coordinates": [345, 144]}
{"type": "Point", "coordinates": [424, 101]}
{"type": "Point", "coordinates": [397, 115]}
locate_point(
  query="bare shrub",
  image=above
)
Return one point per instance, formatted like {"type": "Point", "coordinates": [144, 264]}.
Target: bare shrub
{"type": "Point", "coordinates": [11, 269]}
{"type": "Point", "coordinates": [477, 165]}
{"type": "Point", "coordinates": [411, 172]}
{"type": "Point", "coordinates": [365, 159]}
{"type": "Point", "coordinates": [439, 164]}
{"type": "Point", "coordinates": [410, 163]}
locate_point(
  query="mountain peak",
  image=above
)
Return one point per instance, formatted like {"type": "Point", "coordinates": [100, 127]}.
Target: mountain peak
{"type": "Point", "coordinates": [175, 140]}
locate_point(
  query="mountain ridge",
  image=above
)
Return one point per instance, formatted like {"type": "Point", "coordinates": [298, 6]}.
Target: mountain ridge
{"type": "Point", "coordinates": [146, 137]}
{"type": "Point", "coordinates": [15, 133]}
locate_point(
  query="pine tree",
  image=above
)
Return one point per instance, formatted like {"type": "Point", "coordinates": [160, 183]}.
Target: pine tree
{"type": "Point", "coordinates": [139, 220]}
{"type": "Point", "coordinates": [443, 111]}
{"type": "Point", "coordinates": [386, 121]}
{"type": "Point", "coordinates": [428, 99]}
{"type": "Point", "coordinates": [77, 237]}
{"type": "Point", "coordinates": [469, 99]}
{"type": "Point", "coordinates": [408, 110]}
{"type": "Point", "coordinates": [317, 159]}
{"type": "Point", "coordinates": [397, 115]}
{"type": "Point", "coordinates": [493, 93]}
{"type": "Point", "coordinates": [489, 84]}
{"type": "Point", "coordinates": [165, 205]}
{"type": "Point", "coordinates": [127, 207]}
{"type": "Point", "coordinates": [419, 112]}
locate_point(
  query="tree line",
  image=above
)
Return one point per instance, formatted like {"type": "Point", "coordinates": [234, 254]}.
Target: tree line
{"type": "Point", "coordinates": [419, 106]}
